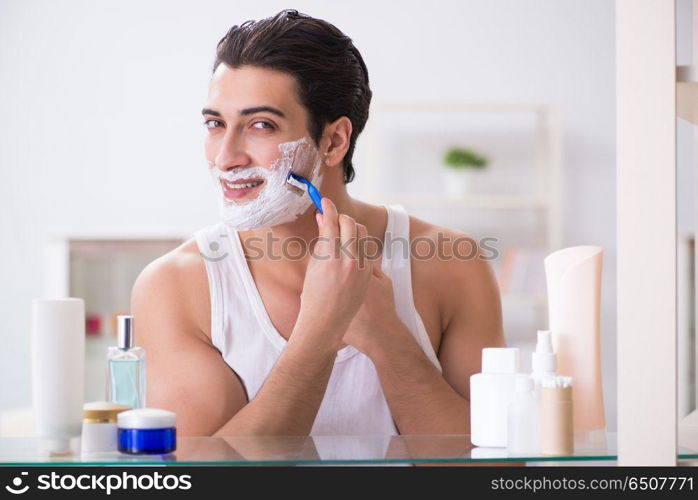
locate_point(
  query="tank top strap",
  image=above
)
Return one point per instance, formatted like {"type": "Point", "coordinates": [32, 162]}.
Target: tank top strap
{"type": "Point", "coordinates": [397, 264]}
{"type": "Point", "coordinates": [212, 244]}
{"type": "Point", "coordinates": [228, 290]}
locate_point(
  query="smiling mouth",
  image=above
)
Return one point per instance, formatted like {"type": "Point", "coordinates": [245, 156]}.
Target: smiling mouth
{"type": "Point", "coordinates": [242, 188]}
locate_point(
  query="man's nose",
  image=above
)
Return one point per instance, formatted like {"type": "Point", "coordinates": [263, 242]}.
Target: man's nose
{"type": "Point", "coordinates": [231, 153]}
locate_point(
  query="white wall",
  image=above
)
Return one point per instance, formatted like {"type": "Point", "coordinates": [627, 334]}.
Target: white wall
{"type": "Point", "coordinates": [100, 124]}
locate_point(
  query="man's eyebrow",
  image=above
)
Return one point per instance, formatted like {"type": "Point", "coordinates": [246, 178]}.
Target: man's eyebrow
{"type": "Point", "coordinates": [247, 111]}
{"type": "Point", "coordinates": [211, 112]}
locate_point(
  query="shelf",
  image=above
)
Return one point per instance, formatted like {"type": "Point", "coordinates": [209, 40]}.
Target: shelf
{"type": "Point", "coordinates": [491, 201]}
{"type": "Point", "coordinates": [329, 450]}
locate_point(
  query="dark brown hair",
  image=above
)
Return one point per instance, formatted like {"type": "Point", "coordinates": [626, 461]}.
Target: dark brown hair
{"type": "Point", "coordinates": [331, 76]}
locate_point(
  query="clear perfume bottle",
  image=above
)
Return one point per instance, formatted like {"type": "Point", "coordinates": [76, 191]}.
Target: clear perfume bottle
{"type": "Point", "coordinates": [126, 367]}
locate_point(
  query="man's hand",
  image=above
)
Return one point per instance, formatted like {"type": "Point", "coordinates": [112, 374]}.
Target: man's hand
{"type": "Point", "coordinates": [337, 276]}
{"type": "Point", "coordinates": [377, 316]}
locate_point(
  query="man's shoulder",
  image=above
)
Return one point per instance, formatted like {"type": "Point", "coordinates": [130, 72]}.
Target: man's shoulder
{"type": "Point", "coordinates": [422, 229]}
{"type": "Point", "coordinates": [179, 264]}
{"type": "Point", "coordinates": [435, 243]}
{"type": "Point", "coordinates": [175, 282]}
{"type": "Point", "coordinates": [457, 273]}
{"type": "Point", "coordinates": [448, 255]}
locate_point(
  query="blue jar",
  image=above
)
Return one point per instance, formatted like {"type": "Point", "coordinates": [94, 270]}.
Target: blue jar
{"type": "Point", "coordinates": [146, 431]}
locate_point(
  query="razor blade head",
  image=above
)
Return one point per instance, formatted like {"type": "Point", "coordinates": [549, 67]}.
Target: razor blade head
{"type": "Point", "coordinates": [295, 184]}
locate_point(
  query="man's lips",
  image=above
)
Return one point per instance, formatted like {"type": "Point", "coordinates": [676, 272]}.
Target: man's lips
{"type": "Point", "coordinates": [240, 188]}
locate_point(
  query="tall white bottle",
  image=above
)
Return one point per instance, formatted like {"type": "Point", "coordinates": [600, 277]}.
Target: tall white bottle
{"type": "Point", "coordinates": [490, 394]}
{"type": "Point", "coordinates": [574, 297]}
{"type": "Point", "coordinates": [58, 365]}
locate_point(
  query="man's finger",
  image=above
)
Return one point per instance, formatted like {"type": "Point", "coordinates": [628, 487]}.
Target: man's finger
{"type": "Point", "coordinates": [361, 235]}
{"type": "Point", "coordinates": [328, 230]}
{"type": "Point", "coordinates": [328, 219]}
{"type": "Point", "coordinates": [347, 231]}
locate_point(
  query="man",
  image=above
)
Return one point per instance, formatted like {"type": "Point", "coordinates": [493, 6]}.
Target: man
{"type": "Point", "coordinates": [331, 340]}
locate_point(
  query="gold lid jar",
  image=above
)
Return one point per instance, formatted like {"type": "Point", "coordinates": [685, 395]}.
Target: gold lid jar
{"type": "Point", "coordinates": [99, 412]}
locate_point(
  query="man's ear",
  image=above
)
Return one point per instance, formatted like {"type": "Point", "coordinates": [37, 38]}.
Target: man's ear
{"type": "Point", "coordinates": [336, 139]}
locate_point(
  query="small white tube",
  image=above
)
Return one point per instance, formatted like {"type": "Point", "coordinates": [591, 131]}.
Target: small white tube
{"type": "Point", "coordinates": [58, 361]}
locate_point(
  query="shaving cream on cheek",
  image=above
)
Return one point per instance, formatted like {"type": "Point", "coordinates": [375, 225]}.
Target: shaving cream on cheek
{"type": "Point", "coordinates": [277, 201]}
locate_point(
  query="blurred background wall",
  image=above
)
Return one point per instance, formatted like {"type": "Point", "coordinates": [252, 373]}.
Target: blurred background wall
{"type": "Point", "coordinates": [101, 134]}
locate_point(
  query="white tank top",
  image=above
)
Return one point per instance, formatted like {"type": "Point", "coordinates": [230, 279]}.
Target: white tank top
{"type": "Point", "coordinates": [354, 403]}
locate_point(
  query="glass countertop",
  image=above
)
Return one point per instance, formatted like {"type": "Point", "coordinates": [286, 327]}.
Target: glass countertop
{"type": "Point", "coordinates": [319, 450]}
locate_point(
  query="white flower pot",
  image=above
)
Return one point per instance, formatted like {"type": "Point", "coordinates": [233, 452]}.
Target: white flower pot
{"type": "Point", "coordinates": [460, 181]}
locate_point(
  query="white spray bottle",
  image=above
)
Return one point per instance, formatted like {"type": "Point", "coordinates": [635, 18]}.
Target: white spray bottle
{"type": "Point", "coordinates": [543, 361]}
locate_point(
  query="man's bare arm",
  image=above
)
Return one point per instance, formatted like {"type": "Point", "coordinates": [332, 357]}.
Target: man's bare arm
{"type": "Point", "coordinates": [187, 375]}
{"type": "Point", "coordinates": [422, 400]}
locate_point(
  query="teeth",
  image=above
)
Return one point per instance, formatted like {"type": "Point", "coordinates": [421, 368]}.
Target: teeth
{"type": "Point", "coordinates": [242, 186]}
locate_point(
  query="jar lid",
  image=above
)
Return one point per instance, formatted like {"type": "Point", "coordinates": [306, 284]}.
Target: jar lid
{"type": "Point", "coordinates": [102, 411]}
{"type": "Point", "coordinates": [146, 418]}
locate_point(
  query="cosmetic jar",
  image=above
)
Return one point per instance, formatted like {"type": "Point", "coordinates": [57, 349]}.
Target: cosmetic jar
{"type": "Point", "coordinates": [99, 426]}
{"type": "Point", "coordinates": [146, 430]}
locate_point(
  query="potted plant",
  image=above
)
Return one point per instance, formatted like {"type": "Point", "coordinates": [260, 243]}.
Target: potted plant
{"type": "Point", "coordinates": [463, 167]}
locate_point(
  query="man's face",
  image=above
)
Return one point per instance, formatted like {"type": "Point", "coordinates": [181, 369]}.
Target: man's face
{"type": "Point", "coordinates": [249, 112]}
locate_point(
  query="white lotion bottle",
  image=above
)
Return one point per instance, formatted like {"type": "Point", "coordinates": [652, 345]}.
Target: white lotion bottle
{"type": "Point", "coordinates": [523, 425]}
{"type": "Point", "coordinates": [58, 368]}
{"type": "Point", "coordinates": [490, 394]}
{"type": "Point", "coordinates": [543, 361]}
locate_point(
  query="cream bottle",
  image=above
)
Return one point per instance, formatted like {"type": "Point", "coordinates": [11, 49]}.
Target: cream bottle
{"type": "Point", "coordinates": [490, 394]}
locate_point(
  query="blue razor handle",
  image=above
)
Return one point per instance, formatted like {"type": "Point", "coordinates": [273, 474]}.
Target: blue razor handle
{"type": "Point", "coordinates": [312, 191]}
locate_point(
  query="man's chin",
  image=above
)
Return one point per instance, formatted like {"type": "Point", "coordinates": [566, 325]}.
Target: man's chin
{"type": "Point", "coordinates": [238, 202]}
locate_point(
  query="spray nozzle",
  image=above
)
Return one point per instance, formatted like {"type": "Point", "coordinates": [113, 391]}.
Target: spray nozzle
{"type": "Point", "coordinates": [544, 358]}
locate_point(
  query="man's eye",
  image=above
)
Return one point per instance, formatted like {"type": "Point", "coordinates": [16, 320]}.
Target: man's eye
{"type": "Point", "coordinates": [211, 123]}
{"type": "Point", "coordinates": [263, 125]}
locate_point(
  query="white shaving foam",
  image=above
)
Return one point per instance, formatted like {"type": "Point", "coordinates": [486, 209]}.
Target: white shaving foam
{"type": "Point", "coordinates": [277, 202]}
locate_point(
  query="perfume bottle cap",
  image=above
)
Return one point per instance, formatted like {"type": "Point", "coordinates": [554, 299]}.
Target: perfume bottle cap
{"type": "Point", "coordinates": [125, 332]}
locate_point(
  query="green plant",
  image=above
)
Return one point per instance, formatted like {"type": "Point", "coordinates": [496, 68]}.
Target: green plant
{"type": "Point", "coordinates": [464, 158]}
